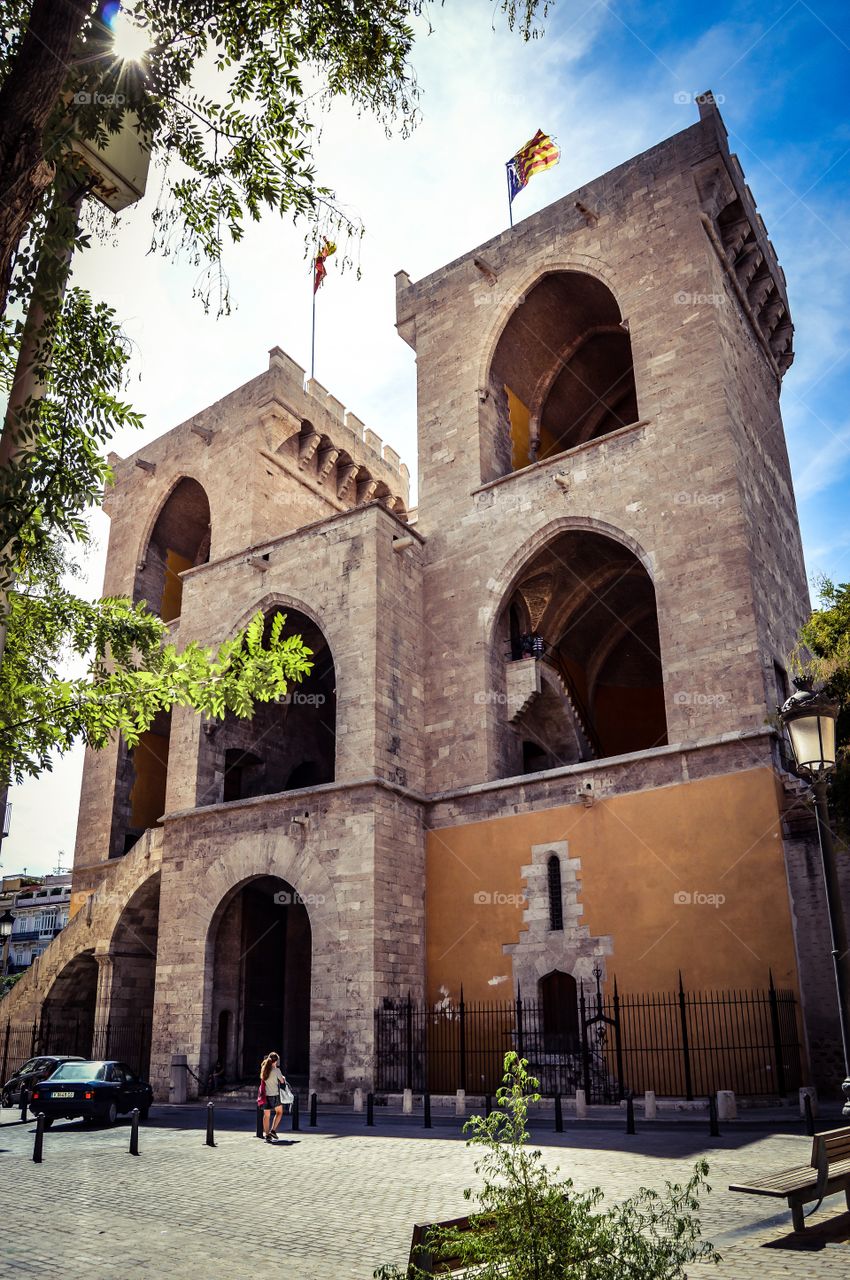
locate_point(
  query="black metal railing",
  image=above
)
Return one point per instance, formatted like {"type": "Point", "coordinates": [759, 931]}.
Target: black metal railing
{"type": "Point", "coordinates": [678, 1043]}
{"type": "Point", "coordinates": [128, 1041]}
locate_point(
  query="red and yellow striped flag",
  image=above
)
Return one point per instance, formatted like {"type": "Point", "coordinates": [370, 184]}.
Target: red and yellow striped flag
{"type": "Point", "coordinates": [542, 152]}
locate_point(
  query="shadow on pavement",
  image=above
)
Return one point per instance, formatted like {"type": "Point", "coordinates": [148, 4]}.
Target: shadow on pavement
{"type": "Point", "coordinates": [817, 1235]}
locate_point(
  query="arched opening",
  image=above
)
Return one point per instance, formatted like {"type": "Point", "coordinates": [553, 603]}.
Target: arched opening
{"type": "Point", "coordinates": [288, 744]}
{"type": "Point", "coordinates": [561, 374]}
{"type": "Point", "coordinates": [140, 785]}
{"type": "Point", "coordinates": [68, 1013]}
{"type": "Point", "coordinates": [179, 541]}
{"type": "Point", "coordinates": [585, 680]}
{"type": "Point", "coordinates": [558, 995]}
{"type": "Point", "coordinates": [132, 959]}
{"type": "Point", "coordinates": [260, 946]}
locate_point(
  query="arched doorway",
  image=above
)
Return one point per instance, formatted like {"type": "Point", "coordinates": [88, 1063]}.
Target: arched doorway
{"type": "Point", "coordinates": [288, 744]}
{"type": "Point", "coordinates": [589, 606]}
{"type": "Point", "coordinates": [561, 374]}
{"type": "Point", "coordinates": [68, 1013]}
{"type": "Point", "coordinates": [558, 995]}
{"type": "Point", "coordinates": [260, 949]}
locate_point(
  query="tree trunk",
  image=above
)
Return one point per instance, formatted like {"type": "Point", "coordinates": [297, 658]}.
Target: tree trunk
{"type": "Point", "coordinates": [28, 97]}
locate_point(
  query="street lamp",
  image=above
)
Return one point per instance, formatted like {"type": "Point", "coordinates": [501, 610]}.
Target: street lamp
{"type": "Point", "coordinates": [809, 720]}
{"type": "Point", "coordinates": [7, 920]}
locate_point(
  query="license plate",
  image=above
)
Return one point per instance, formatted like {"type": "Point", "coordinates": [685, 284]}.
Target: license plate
{"type": "Point", "coordinates": [62, 1095]}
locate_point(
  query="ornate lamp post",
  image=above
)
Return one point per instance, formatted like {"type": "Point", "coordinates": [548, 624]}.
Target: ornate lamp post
{"type": "Point", "coordinates": [809, 720]}
{"type": "Point", "coordinates": [7, 920]}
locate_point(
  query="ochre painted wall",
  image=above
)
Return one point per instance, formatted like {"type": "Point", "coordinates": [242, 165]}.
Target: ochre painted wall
{"type": "Point", "coordinates": [172, 591]}
{"type": "Point", "coordinates": [147, 799]}
{"type": "Point", "coordinates": [717, 836]}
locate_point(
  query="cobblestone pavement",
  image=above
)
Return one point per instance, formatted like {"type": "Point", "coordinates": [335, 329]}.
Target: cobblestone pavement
{"type": "Point", "coordinates": [333, 1203]}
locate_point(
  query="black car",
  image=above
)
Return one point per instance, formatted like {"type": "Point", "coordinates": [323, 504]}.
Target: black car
{"type": "Point", "coordinates": [97, 1091]}
{"type": "Point", "coordinates": [29, 1075]}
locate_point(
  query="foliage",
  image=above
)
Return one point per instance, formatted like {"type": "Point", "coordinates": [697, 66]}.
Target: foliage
{"type": "Point", "coordinates": [80, 365]}
{"type": "Point", "coordinates": [823, 654]}
{"type": "Point", "coordinates": [534, 1225]}
{"type": "Point", "coordinates": [8, 982]}
{"type": "Point", "coordinates": [227, 98]}
{"type": "Point", "coordinates": [128, 671]}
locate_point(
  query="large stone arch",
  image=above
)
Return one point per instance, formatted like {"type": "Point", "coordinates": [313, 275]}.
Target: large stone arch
{"type": "Point", "coordinates": [287, 745]}
{"type": "Point", "coordinates": [500, 586]}
{"type": "Point", "coordinates": [586, 682]}
{"type": "Point", "coordinates": [513, 293]}
{"type": "Point", "coordinates": [164, 494]}
{"type": "Point", "coordinates": [184, 1015]}
{"type": "Point", "coordinates": [559, 372]}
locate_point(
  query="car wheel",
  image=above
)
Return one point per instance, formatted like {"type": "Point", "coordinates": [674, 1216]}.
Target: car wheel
{"type": "Point", "coordinates": [6, 1100]}
{"type": "Point", "coordinates": [48, 1122]}
{"type": "Point", "coordinates": [111, 1114]}
{"type": "Point", "coordinates": [144, 1112]}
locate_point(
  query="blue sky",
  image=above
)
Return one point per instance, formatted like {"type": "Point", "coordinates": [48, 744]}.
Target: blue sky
{"type": "Point", "coordinates": [609, 80]}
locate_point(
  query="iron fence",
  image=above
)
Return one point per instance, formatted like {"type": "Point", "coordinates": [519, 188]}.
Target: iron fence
{"type": "Point", "coordinates": [128, 1041]}
{"type": "Point", "coordinates": [678, 1043]}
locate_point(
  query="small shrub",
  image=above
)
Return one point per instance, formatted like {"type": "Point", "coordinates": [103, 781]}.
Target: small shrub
{"type": "Point", "coordinates": [534, 1225]}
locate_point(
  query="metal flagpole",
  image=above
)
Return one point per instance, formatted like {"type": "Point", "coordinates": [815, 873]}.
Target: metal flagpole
{"type": "Point", "coordinates": [510, 197]}
{"type": "Point", "coordinates": [313, 341]}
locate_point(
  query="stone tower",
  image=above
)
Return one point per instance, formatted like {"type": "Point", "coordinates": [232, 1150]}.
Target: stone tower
{"type": "Point", "coordinates": [536, 745]}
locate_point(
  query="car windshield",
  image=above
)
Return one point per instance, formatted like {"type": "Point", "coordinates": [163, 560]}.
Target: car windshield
{"type": "Point", "coordinates": [79, 1071]}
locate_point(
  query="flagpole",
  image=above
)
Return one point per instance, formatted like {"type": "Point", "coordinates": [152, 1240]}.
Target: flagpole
{"type": "Point", "coordinates": [510, 197]}
{"type": "Point", "coordinates": [313, 340]}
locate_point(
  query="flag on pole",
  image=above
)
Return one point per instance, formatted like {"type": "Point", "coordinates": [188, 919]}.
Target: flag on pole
{"type": "Point", "coordinates": [542, 152]}
{"type": "Point", "coordinates": [319, 268]}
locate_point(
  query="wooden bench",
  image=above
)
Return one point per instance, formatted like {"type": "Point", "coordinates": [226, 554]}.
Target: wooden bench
{"type": "Point", "coordinates": [827, 1173]}
{"type": "Point", "coordinates": [424, 1260]}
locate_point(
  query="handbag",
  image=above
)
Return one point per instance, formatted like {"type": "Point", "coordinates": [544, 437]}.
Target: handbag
{"type": "Point", "coordinates": [287, 1097]}
{"type": "Point", "coordinates": [261, 1094]}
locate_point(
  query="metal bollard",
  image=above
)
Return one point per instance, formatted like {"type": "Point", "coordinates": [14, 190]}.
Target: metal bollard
{"type": "Point", "coordinates": [488, 1105]}
{"type": "Point", "coordinates": [314, 1107]}
{"type": "Point", "coordinates": [426, 1111]}
{"type": "Point", "coordinates": [23, 1098]}
{"type": "Point", "coordinates": [39, 1138]}
{"type": "Point", "coordinates": [370, 1108]}
{"type": "Point", "coordinates": [630, 1114]}
{"type": "Point", "coordinates": [713, 1126]}
{"type": "Point", "coordinates": [296, 1114]}
{"type": "Point", "coordinates": [134, 1131]}
{"type": "Point", "coordinates": [559, 1114]}
{"type": "Point", "coordinates": [210, 1142]}
{"type": "Point", "coordinates": [259, 1122]}
{"type": "Point", "coordinates": [810, 1119]}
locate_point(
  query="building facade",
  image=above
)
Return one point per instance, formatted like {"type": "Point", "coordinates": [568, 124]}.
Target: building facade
{"type": "Point", "coordinates": [40, 906]}
{"type": "Point", "coordinates": [537, 739]}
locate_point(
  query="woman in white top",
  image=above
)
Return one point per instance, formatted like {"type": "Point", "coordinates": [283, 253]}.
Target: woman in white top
{"type": "Point", "coordinates": [274, 1080]}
